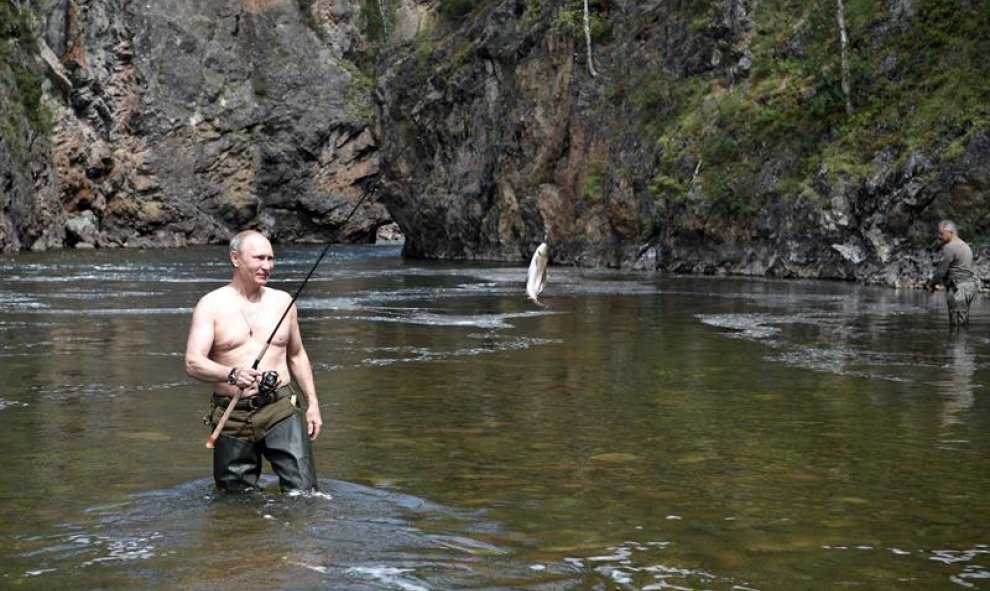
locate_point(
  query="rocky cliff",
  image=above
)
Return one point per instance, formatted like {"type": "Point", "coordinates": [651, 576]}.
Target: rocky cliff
{"type": "Point", "coordinates": [707, 137]}
{"type": "Point", "coordinates": [173, 122]}
{"type": "Point", "coordinates": [711, 136]}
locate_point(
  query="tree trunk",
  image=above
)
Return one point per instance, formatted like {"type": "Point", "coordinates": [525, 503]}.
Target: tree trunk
{"type": "Point", "coordinates": [844, 43]}
{"type": "Point", "coordinates": [381, 10]}
{"type": "Point", "coordinates": [587, 39]}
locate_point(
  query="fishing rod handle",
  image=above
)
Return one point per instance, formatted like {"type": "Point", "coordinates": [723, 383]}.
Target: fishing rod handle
{"type": "Point", "coordinates": [212, 439]}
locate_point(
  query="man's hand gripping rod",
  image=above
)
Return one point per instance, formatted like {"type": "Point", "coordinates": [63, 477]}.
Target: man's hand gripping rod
{"type": "Point", "coordinates": [212, 439]}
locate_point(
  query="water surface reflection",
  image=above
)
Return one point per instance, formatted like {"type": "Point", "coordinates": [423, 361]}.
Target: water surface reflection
{"type": "Point", "coordinates": [642, 432]}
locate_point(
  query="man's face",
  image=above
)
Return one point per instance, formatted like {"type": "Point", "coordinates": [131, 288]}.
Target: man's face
{"type": "Point", "coordinates": [945, 236]}
{"type": "Point", "coordinates": [255, 261]}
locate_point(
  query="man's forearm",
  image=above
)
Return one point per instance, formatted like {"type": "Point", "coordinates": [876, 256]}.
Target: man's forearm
{"type": "Point", "coordinates": [207, 370]}
{"type": "Point", "coordinates": [941, 272]}
{"type": "Point", "coordinates": [302, 373]}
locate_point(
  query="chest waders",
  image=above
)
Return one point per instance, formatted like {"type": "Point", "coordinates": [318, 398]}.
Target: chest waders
{"type": "Point", "coordinates": [275, 431]}
{"type": "Point", "coordinates": [959, 297]}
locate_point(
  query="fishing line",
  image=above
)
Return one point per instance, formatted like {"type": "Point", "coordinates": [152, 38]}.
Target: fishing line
{"type": "Point", "coordinates": [233, 401]}
{"type": "Point", "coordinates": [301, 286]}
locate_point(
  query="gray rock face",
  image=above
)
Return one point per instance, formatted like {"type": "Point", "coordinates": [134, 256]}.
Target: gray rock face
{"type": "Point", "coordinates": [181, 122]}
{"type": "Point", "coordinates": [499, 135]}
{"type": "Point", "coordinates": [184, 122]}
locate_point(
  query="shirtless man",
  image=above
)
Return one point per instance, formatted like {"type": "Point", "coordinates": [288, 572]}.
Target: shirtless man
{"type": "Point", "coordinates": [230, 326]}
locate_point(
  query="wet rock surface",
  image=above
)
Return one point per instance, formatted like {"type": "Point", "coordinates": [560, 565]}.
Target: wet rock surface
{"type": "Point", "coordinates": [501, 137]}
{"type": "Point", "coordinates": [181, 123]}
{"type": "Point", "coordinates": [474, 136]}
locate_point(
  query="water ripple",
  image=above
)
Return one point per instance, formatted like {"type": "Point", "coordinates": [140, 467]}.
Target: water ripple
{"type": "Point", "coordinates": [346, 537]}
{"type": "Point", "coordinates": [5, 404]}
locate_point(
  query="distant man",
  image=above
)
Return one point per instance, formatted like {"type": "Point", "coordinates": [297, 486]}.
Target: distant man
{"type": "Point", "coordinates": [955, 272]}
{"type": "Point", "coordinates": [230, 326]}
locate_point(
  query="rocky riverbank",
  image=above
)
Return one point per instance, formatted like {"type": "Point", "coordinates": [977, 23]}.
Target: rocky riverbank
{"type": "Point", "coordinates": [720, 137]}
{"type": "Point", "coordinates": [693, 141]}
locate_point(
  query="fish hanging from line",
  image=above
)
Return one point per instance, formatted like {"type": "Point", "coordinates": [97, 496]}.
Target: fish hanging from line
{"type": "Point", "coordinates": [536, 278]}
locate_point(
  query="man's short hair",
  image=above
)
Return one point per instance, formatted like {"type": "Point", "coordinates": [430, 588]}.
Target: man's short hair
{"type": "Point", "coordinates": [948, 225]}
{"type": "Point", "coordinates": [238, 240]}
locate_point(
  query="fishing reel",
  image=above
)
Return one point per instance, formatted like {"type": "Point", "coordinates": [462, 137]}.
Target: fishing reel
{"type": "Point", "coordinates": [268, 384]}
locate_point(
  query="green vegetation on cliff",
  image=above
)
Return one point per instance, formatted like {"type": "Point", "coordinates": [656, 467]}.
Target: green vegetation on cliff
{"type": "Point", "coordinates": [917, 81]}
{"type": "Point", "coordinates": [781, 137]}
{"type": "Point", "coordinates": [23, 110]}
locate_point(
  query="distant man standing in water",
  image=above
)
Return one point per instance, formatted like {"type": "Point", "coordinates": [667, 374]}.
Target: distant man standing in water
{"type": "Point", "coordinates": [230, 326]}
{"type": "Point", "coordinates": [955, 272]}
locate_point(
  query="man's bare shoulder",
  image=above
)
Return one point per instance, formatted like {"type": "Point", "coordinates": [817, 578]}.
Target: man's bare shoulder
{"type": "Point", "coordinates": [216, 297]}
{"type": "Point", "coordinates": [277, 295]}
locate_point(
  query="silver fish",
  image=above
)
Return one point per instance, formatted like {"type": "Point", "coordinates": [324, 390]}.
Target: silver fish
{"type": "Point", "coordinates": [536, 278]}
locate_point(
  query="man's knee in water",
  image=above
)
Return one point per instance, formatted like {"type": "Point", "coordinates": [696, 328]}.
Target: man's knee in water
{"type": "Point", "coordinates": [288, 449]}
{"type": "Point", "coordinates": [236, 465]}
{"type": "Point", "coordinates": [958, 317]}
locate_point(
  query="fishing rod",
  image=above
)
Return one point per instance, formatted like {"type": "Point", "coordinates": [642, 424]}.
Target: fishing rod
{"type": "Point", "coordinates": [212, 439]}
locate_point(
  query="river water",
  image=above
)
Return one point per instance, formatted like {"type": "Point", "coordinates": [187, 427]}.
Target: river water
{"type": "Point", "coordinates": [640, 432]}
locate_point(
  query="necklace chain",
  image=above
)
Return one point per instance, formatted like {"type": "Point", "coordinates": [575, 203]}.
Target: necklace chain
{"type": "Point", "coordinates": [250, 323]}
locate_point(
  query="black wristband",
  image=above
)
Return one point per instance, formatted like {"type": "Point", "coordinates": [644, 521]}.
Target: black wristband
{"type": "Point", "coordinates": [231, 379]}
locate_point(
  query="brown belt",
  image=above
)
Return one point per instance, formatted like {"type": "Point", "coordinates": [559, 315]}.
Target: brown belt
{"type": "Point", "coordinates": [252, 402]}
